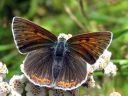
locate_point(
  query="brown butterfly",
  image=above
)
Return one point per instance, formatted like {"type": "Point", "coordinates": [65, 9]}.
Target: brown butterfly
{"type": "Point", "coordinates": [54, 62]}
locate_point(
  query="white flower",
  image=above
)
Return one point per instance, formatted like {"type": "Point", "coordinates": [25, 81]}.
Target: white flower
{"type": "Point", "coordinates": [14, 93]}
{"type": "Point", "coordinates": [74, 92]}
{"type": "Point", "coordinates": [103, 60]}
{"type": "Point", "coordinates": [4, 89]}
{"type": "Point", "coordinates": [22, 67]}
{"type": "Point", "coordinates": [33, 90]}
{"type": "Point", "coordinates": [16, 84]}
{"type": "Point", "coordinates": [58, 92]}
{"type": "Point", "coordinates": [110, 69]}
{"type": "Point", "coordinates": [3, 71]}
{"type": "Point", "coordinates": [90, 82]}
{"type": "Point", "coordinates": [115, 94]}
{"type": "Point", "coordinates": [69, 36]}
{"type": "Point", "coordinates": [90, 68]}
{"type": "Point", "coordinates": [66, 36]}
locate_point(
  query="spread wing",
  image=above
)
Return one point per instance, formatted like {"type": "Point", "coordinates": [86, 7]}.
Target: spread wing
{"type": "Point", "coordinates": [73, 73]}
{"type": "Point", "coordinates": [90, 46]}
{"type": "Point", "coordinates": [38, 67]}
{"type": "Point", "coordinates": [29, 36]}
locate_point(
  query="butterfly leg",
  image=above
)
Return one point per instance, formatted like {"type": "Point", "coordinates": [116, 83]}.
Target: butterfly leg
{"type": "Point", "coordinates": [57, 66]}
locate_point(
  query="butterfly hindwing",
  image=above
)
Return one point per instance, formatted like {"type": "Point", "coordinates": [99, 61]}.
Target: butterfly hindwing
{"type": "Point", "coordinates": [73, 73]}
{"type": "Point", "coordinates": [38, 67]}
{"type": "Point", "coordinates": [29, 36]}
{"type": "Point", "coordinates": [90, 45]}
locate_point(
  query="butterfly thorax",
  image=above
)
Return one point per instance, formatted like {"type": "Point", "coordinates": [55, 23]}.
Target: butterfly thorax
{"type": "Point", "coordinates": [60, 48]}
{"type": "Point", "coordinates": [59, 52]}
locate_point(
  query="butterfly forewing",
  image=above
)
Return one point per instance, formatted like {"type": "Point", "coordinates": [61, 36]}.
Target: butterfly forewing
{"type": "Point", "coordinates": [29, 36]}
{"type": "Point", "coordinates": [90, 45]}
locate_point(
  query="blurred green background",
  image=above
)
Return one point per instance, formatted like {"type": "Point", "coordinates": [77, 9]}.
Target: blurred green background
{"type": "Point", "coordinates": [74, 17]}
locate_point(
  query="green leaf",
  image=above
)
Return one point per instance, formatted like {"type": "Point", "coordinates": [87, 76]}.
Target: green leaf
{"type": "Point", "coordinates": [120, 33]}
{"type": "Point", "coordinates": [6, 47]}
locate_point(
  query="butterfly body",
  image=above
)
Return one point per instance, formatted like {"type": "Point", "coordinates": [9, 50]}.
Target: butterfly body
{"type": "Point", "coordinates": [60, 63]}
{"type": "Point", "coordinates": [60, 50]}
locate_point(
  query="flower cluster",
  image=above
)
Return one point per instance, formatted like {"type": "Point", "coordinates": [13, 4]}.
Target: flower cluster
{"type": "Point", "coordinates": [3, 71]}
{"type": "Point", "coordinates": [4, 87]}
{"type": "Point", "coordinates": [104, 64]}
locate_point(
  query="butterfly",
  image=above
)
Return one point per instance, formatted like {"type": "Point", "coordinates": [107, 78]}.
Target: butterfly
{"type": "Point", "coordinates": [57, 62]}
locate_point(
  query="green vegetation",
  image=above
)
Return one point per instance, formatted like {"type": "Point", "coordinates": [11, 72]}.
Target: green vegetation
{"type": "Point", "coordinates": [71, 17]}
